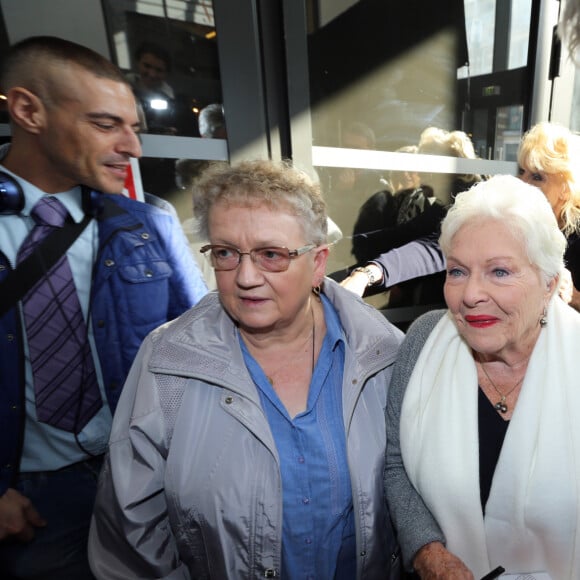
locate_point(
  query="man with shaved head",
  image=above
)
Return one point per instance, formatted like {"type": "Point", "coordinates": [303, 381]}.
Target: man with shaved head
{"type": "Point", "coordinates": [126, 270]}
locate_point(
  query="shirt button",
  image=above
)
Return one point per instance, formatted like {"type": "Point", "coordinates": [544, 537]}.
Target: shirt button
{"type": "Point", "coordinates": [308, 541]}
{"type": "Point", "coordinates": [301, 459]}
{"type": "Point", "coordinates": [305, 500]}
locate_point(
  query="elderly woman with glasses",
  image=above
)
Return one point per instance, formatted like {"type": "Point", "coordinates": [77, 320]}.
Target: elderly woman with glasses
{"type": "Point", "coordinates": [250, 437]}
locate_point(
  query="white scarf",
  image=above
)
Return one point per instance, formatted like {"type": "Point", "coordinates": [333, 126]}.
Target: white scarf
{"type": "Point", "coordinates": [532, 520]}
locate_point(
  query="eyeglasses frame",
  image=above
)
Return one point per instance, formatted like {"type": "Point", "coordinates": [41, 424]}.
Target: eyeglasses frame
{"type": "Point", "coordinates": [291, 255]}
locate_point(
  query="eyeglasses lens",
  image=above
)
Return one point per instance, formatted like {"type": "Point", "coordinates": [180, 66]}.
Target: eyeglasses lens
{"type": "Point", "coordinates": [267, 259]}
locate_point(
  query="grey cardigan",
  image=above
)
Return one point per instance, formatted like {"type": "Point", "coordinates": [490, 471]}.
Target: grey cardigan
{"type": "Point", "coordinates": [413, 521]}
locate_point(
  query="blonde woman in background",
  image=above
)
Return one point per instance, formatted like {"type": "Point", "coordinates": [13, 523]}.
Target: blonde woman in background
{"type": "Point", "coordinates": [549, 158]}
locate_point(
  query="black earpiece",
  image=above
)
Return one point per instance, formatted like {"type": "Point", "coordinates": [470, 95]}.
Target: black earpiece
{"type": "Point", "coordinates": [11, 195]}
{"type": "Point", "coordinates": [92, 202]}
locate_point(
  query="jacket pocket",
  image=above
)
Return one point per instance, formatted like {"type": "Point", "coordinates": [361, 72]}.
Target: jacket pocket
{"type": "Point", "coordinates": [148, 272]}
{"type": "Point", "coordinates": [146, 291]}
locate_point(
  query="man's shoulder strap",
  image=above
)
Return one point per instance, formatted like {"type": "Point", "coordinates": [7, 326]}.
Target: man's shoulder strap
{"type": "Point", "coordinates": [20, 280]}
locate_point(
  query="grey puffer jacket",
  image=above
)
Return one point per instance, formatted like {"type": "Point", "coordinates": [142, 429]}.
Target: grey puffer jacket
{"type": "Point", "coordinates": [191, 486]}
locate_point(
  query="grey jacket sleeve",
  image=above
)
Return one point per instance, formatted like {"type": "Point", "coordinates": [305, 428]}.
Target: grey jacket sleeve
{"type": "Point", "coordinates": [130, 535]}
{"type": "Point", "coordinates": [413, 260]}
{"type": "Point", "coordinates": [413, 521]}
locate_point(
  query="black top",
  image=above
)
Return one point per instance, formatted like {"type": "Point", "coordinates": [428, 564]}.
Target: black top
{"type": "Point", "coordinates": [387, 221]}
{"type": "Point", "coordinates": [492, 430]}
{"type": "Point", "coordinates": [572, 258]}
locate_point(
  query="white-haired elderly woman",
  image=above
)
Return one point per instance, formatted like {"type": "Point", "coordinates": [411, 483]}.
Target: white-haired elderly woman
{"type": "Point", "coordinates": [250, 438]}
{"type": "Point", "coordinates": [483, 419]}
{"type": "Point", "coordinates": [549, 158]}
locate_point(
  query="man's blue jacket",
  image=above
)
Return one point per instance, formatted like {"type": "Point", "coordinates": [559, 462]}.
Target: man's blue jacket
{"type": "Point", "coordinates": [144, 275]}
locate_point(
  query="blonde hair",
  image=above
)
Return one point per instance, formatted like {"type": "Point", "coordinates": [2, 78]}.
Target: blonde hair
{"type": "Point", "coordinates": [555, 150]}
{"type": "Point", "coordinates": [274, 184]}
{"type": "Point", "coordinates": [435, 141]}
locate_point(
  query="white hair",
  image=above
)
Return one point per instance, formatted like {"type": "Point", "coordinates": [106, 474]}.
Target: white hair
{"type": "Point", "coordinates": [522, 208]}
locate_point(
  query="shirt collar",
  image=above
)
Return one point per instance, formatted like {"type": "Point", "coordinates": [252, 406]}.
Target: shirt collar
{"type": "Point", "coordinates": [334, 330]}
{"type": "Point", "coordinates": [71, 199]}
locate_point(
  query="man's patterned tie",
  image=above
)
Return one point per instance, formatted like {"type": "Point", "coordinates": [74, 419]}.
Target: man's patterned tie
{"type": "Point", "coordinates": [65, 383]}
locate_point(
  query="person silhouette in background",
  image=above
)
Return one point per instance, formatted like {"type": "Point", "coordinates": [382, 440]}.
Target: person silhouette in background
{"type": "Point", "coordinates": [212, 123]}
{"type": "Point", "coordinates": [395, 235]}
{"type": "Point", "coordinates": [354, 182]}
{"type": "Point", "coordinates": [155, 95]}
{"type": "Point", "coordinates": [403, 180]}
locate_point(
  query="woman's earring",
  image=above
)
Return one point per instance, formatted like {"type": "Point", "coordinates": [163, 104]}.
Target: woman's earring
{"type": "Point", "coordinates": [544, 319]}
{"type": "Point", "coordinates": [316, 290]}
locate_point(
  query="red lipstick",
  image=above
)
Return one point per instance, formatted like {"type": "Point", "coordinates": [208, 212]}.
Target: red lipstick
{"type": "Point", "coordinates": [480, 320]}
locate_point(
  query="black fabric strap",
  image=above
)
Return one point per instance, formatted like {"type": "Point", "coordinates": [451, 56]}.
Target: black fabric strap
{"type": "Point", "coordinates": [20, 280]}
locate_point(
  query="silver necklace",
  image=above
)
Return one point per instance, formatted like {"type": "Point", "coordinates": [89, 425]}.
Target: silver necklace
{"type": "Point", "coordinates": [501, 405]}
{"type": "Point", "coordinates": [271, 380]}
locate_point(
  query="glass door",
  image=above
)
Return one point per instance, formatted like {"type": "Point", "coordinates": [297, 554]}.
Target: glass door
{"type": "Point", "coordinates": [372, 76]}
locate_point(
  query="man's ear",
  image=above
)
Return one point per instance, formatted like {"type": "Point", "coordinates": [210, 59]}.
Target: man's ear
{"type": "Point", "coordinates": [26, 109]}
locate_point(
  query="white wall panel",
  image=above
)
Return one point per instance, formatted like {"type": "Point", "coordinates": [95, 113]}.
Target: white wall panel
{"type": "Point", "coordinates": [80, 21]}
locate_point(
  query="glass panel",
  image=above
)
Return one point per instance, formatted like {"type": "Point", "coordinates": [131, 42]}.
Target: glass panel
{"type": "Point", "coordinates": [508, 132]}
{"type": "Point", "coordinates": [168, 49]}
{"type": "Point", "coordinates": [519, 33]}
{"type": "Point", "coordinates": [575, 113]}
{"type": "Point", "coordinates": [482, 36]}
{"type": "Point", "coordinates": [479, 134]}
{"type": "Point", "coordinates": [375, 91]}
{"type": "Point", "coordinates": [480, 26]}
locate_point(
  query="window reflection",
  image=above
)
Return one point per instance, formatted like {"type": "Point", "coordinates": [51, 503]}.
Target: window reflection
{"type": "Point", "coordinates": [168, 49]}
{"type": "Point", "coordinates": [480, 25]}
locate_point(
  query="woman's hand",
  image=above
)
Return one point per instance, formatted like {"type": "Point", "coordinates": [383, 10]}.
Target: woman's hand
{"type": "Point", "coordinates": [361, 278]}
{"type": "Point", "coordinates": [356, 282]}
{"type": "Point", "coordinates": [435, 562]}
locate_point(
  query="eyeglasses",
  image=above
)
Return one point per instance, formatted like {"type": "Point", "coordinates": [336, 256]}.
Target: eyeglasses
{"type": "Point", "coordinates": [267, 259]}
